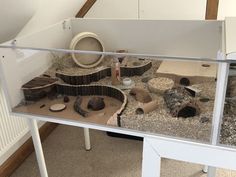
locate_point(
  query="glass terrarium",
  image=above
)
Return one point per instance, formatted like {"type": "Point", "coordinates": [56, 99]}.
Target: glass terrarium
{"type": "Point", "coordinates": [151, 77]}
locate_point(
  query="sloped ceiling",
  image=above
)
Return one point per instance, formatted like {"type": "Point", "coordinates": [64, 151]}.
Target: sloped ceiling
{"type": "Point", "coordinates": [14, 14]}
{"type": "Point", "coordinates": [50, 12]}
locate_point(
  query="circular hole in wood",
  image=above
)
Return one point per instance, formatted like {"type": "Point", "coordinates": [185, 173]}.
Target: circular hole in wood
{"type": "Point", "coordinates": [184, 81]}
{"type": "Point", "coordinates": [204, 99]}
{"type": "Point", "coordinates": [187, 111]}
{"type": "Point", "coordinates": [205, 65]}
{"type": "Point", "coordinates": [3, 56]}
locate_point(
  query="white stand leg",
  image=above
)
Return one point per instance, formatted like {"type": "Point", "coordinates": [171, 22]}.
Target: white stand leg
{"type": "Point", "coordinates": [38, 147]}
{"type": "Point", "coordinates": [151, 165]}
{"type": "Point", "coordinates": [87, 139]}
{"type": "Point", "coordinates": [205, 169]}
{"type": "Point", "coordinates": [211, 172]}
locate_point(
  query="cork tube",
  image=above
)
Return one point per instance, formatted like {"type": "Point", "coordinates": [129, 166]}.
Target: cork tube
{"type": "Point", "coordinates": [148, 107]}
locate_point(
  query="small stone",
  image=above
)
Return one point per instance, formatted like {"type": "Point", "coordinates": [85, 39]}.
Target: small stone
{"type": "Point", "coordinates": [96, 103]}
{"type": "Point", "coordinates": [204, 119]}
{"type": "Point", "coordinates": [42, 106]}
{"type": "Point", "coordinates": [204, 99]}
{"type": "Point", "coordinates": [66, 99]}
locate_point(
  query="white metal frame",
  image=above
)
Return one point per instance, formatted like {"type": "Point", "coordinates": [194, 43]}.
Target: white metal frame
{"type": "Point", "coordinates": [155, 146]}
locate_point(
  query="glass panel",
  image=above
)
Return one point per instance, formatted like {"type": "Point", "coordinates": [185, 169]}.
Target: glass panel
{"type": "Point", "coordinates": [228, 125]}
{"type": "Point", "coordinates": [156, 95]}
{"type": "Point", "coordinates": [152, 76]}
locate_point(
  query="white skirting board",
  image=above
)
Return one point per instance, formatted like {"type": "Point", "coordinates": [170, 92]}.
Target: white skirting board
{"type": "Point", "coordinates": [14, 131]}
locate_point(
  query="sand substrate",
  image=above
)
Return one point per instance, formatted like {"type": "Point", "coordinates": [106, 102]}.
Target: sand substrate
{"type": "Point", "coordinates": [160, 121]}
{"type": "Point", "coordinates": [101, 117]}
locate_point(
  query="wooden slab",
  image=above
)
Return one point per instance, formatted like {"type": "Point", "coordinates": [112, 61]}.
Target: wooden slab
{"type": "Point", "coordinates": [196, 72]}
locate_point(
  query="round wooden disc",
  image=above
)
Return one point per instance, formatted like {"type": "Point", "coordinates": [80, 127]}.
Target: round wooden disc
{"type": "Point", "coordinates": [57, 107]}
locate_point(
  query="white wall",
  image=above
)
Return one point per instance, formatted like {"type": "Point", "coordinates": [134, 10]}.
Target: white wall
{"type": "Point", "coordinates": [149, 9]}
{"type": "Point", "coordinates": [173, 9]}
{"type": "Point", "coordinates": [13, 130]}
{"type": "Point", "coordinates": [227, 8]}
{"type": "Point", "coordinates": [14, 14]}
{"type": "Point", "coordinates": [50, 12]}
{"type": "Point", "coordinates": [114, 9]}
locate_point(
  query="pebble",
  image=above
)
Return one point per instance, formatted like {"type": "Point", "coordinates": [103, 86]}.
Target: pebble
{"type": "Point", "coordinates": [204, 119]}
{"type": "Point", "coordinates": [66, 99]}
{"type": "Point", "coordinates": [42, 106]}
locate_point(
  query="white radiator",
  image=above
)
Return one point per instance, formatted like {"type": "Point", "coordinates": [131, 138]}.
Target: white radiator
{"type": "Point", "coordinates": [12, 131]}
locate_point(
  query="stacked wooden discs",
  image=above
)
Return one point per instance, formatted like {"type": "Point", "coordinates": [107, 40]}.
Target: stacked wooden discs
{"type": "Point", "coordinates": [160, 84]}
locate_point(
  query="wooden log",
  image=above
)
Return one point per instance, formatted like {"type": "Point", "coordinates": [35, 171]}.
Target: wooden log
{"type": "Point", "coordinates": [77, 107]}
{"type": "Point", "coordinates": [181, 103]}
{"type": "Point", "coordinates": [141, 95]}
{"type": "Point", "coordinates": [148, 107]}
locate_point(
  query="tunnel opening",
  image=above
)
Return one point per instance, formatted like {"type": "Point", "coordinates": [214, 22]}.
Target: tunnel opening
{"type": "Point", "coordinates": [187, 111]}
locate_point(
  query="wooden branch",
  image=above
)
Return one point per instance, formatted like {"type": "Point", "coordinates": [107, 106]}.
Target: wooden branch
{"type": "Point", "coordinates": [212, 9]}
{"type": "Point", "coordinates": [83, 11]}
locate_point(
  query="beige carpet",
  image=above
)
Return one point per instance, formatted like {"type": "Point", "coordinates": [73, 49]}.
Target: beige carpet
{"type": "Point", "coordinates": [110, 157]}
